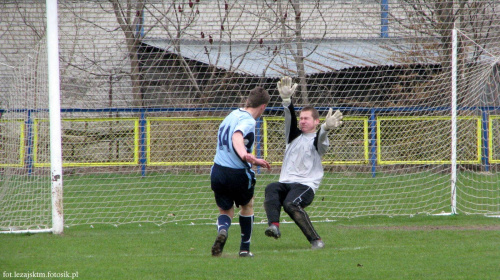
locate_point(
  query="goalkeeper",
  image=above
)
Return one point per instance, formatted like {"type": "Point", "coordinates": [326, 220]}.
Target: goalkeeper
{"type": "Point", "coordinates": [302, 170]}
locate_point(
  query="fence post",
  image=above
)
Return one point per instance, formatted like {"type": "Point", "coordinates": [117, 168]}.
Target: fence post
{"type": "Point", "coordinates": [484, 135]}
{"type": "Point", "coordinates": [142, 143]}
{"type": "Point", "coordinates": [258, 136]}
{"type": "Point", "coordinates": [28, 160]}
{"type": "Point", "coordinates": [384, 19]}
{"type": "Point", "coordinates": [373, 142]}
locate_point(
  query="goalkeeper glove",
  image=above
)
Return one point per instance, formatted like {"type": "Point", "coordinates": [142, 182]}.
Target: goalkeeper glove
{"type": "Point", "coordinates": [332, 121]}
{"type": "Point", "coordinates": [286, 89]}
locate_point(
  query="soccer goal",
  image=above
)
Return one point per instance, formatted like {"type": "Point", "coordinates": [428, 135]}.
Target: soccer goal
{"type": "Point", "coordinates": [109, 111]}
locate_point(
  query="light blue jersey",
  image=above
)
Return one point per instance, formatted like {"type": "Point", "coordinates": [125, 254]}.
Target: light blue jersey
{"type": "Point", "coordinates": [237, 120]}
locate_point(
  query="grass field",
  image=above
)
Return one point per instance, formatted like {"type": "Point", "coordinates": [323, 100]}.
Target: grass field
{"type": "Point", "coordinates": [408, 245]}
{"type": "Point", "coordinates": [116, 199]}
{"type": "Point", "coordinates": [420, 247]}
{"type": "Point", "coordinates": [164, 198]}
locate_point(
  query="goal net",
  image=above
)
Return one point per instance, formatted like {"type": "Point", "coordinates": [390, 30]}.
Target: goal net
{"type": "Point", "coordinates": [145, 84]}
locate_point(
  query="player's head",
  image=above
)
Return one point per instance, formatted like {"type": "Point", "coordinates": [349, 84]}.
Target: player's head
{"type": "Point", "coordinates": [257, 97]}
{"type": "Point", "coordinates": [257, 100]}
{"type": "Point", "coordinates": [309, 119]}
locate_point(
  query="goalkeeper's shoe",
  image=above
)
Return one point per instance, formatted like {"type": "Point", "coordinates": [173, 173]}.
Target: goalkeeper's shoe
{"type": "Point", "coordinates": [219, 243]}
{"type": "Point", "coordinates": [273, 231]}
{"type": "Point", "coordinates": [317, 244]}
{"type": "Point", "coordinates": [245, 254]}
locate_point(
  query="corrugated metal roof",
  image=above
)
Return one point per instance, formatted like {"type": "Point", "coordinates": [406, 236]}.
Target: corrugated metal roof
{"type": "Point", "coordinates": [268, 60]}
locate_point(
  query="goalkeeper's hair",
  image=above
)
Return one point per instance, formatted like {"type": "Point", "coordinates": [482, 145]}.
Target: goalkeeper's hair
{"type": "Point", "coordinates": [313, 111]}
{"type": "Point", "coordinates": [257, 97]}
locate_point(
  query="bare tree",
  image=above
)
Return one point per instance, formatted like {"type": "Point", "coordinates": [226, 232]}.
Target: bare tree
{"type": "Point", "coordinates": [475, 21]}
{"type": "Point", "coordinates": [293, 33]}
{"type": "Point", "coordinates": [175, 19]}
{"type": "Point", "coordinates": [22, 55]}
{"type": "Point", "coordinates": [437, 18]}
{"type": "Point", "coordinates": [129, 17]}
{"type": "Point", "coordinates": [178, 20]}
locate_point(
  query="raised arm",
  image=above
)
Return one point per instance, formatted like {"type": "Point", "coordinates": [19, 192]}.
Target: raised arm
{"type": "Point", "coordinates": [286, 90]}
{"type": "Point", "coordinates": [292, 131]}
{"type": "Point", "coordinates": [331, 121]}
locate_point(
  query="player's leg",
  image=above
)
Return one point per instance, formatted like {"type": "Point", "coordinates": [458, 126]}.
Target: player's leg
{"type": "Point", "coordinates": [245, 198]}
{"type": "Point", "coordinates": [299, 197]}
{"type": "Point", "coordinates": [246, 224]}
{"type": "Point", "coordinates": [223, 224]}
{"type": "Point", "coordinates": [274, 196]}
{"type": "Point", "coordinates": [224, 219]}
{"type": "Point", "coordinates": [225, 204]}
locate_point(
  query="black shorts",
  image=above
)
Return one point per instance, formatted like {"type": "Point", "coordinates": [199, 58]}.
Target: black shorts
{"type": "Point", "coordinates": [232, 186]}
{"type": "Point", "coordinates": [295, 193]}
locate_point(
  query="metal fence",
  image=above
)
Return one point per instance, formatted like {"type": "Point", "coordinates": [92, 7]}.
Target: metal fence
{"type": "Point", "coordinates": [380, 137]}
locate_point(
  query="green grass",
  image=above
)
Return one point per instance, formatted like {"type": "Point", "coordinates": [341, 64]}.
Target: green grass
{"type": "Point", "coordinates": [107, 198]}
{"type": "Point", "coordinates": [164, 198]}
{"type": "Point", "coordinates": [407, 246]}
{"type": "Point", "coordinates": [420, 247]}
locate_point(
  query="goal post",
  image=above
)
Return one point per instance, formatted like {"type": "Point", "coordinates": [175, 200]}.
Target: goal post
{"type": "Point", "coordinates": [55, 118]}
{"type": "Point", "coordinates": [453, 179]}
{"type": "Point", "coordinates": [124, 102]}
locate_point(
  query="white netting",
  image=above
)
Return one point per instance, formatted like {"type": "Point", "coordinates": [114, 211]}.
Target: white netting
{"type": "Point", "coordinates": [144, 85]}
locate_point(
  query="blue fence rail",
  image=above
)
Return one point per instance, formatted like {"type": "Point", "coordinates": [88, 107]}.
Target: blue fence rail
{"type": "Point", "coordinates": [370, 112]}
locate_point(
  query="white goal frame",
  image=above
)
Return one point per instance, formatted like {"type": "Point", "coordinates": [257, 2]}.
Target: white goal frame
{"type": "Point", "coordinates": [55, 118]}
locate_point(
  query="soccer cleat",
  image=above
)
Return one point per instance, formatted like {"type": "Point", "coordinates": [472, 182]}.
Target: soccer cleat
{"type": "Point", "coordinates": [317, 244]}
{"type": "Point", "coordinates": [273, 231]}
{"type": "Point", "coordinates": [219, 243]}
{"type": "Point", "coordinates": [245, 254]}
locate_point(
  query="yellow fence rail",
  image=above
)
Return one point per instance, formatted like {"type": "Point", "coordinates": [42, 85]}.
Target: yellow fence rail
{"type": "Point", "coordinates": [405, 140]}
{"type": "Point", "coordinates": [90, 142]}
{"type": "Point", "coordinates": [191, 141]}
{"type": "Point", "coordinates": [181, 141]}
{"type": "Point", "coordinates": [494, 139]}
{"type": "Point", "coordinates": [12, 135]}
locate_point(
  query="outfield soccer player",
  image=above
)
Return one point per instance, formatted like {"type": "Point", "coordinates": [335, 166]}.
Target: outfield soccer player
{"type": "Point", "coordinates": [232, 178]}
{"type": "Point", "coordinates": [302, 170]}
